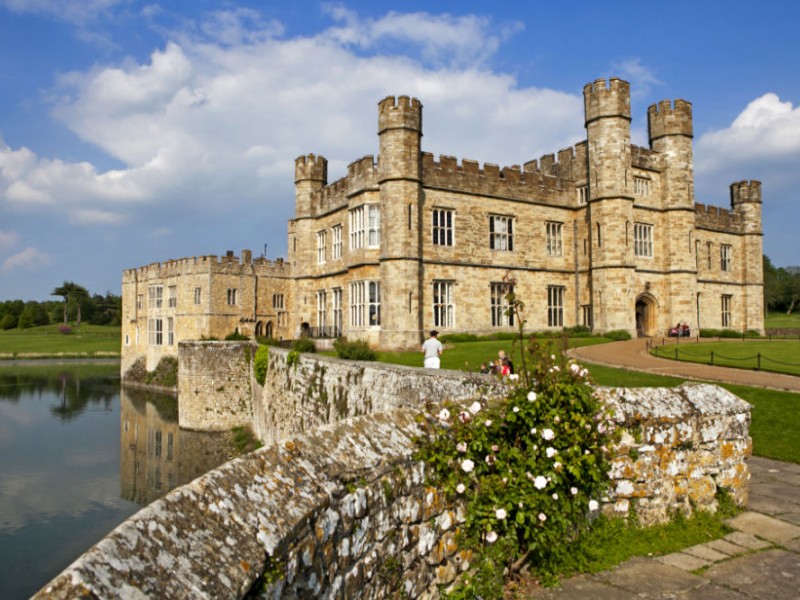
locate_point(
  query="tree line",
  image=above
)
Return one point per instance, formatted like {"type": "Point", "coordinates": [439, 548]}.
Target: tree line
{"type": "Point", "coordinates": [76, 305]}
{"type": "Point", "coordinates": [781, 287]}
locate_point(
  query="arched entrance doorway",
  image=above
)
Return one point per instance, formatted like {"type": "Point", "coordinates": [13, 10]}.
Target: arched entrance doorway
{"type": "Point", "coordinates": [645, 315]}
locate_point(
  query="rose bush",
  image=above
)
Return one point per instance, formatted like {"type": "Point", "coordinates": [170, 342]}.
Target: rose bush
{"type": "Point", "coordinates": [529, 469]}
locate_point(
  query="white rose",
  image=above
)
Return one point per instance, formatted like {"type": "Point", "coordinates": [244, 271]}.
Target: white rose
{"type": "Point", "coordinates": [540, 482]}
{"type": "Point", "coordinates": [548, 434]}
{"type": "Point", "coordinates": [444, 414]}
{"type": "Point", "coordinates": [542, 517]}
{"type": "Point", "coordinates": [475, 407]}
{"type": "Point", "coordinates": [491, 537]}
{"type": "Point", "coordinates": [467, 466]}
{"type": "Point", "coordinates": [593, 505]}
{"type": "Point", "coordinates": [500, 513]}
{"type": "Point", "coordinates": [551, 452]}
{"type": "Point", "coordinates": [460, 488]}
{"type": "Point", "coordinates": [531, 396]}
{"type": "Point", "coordinates": [573, 491]}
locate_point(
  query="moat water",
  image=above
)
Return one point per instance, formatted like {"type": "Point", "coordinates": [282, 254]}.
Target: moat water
{"type": "Point", "coordinates": [79, 455]}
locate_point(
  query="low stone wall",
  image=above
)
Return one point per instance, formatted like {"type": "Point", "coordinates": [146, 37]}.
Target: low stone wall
{"type": "Point", "coordinates": [316, 390]}
{"type": "Point", "coordinates": [215, 385]}
{"type": "Point", "coordinates": [343, 510]}
{"type": "Point", "coordinates": [678, 447]}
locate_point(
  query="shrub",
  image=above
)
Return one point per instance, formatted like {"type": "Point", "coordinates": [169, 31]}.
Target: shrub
{"type": "Point", "coordinates": [353, 349]}
{"type": "Point", "coordinates": [578, 331]}
{"type": "Point", "coordinates": [166, 373]}
{"type": "Point", "coordinates": [261, 364]}
{"type": "Point", "coordinates": [136, 372]}
{"type": "Point", "coordinates": [236, 336]}
{"type": "Point", "coordinates": [454, 338]}
{"type": "Point", "coordinates": [529, 469]}
{"type": "Point", "coordinates": [304, 345]}
{"type": "Point", "coordinates": [65, 329]}
{"type": "Point", "coordinates": [617, 335]}
{"type": "Point", "coordinates": [268, 341]}
{"type": "Point", "coordinates": [8, 321]}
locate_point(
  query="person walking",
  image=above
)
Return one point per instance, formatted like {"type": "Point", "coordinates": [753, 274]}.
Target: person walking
{"type": "Point", "coordinates": [432, 349]}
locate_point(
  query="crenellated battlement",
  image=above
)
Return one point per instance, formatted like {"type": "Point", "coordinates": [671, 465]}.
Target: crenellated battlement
{"type": "Point", "coordinates": [607, 99]}
{"type": "Point", "coordinates": [311, 167]}
{"type": "Point", "coordinates": [666, 118]}
{"type": "Point", "coordinates": [202, 265]}
{"type": "Point", "coordinates": [645, 158]}
{"type": "Point", "coordinates": [718, 219]}
{"type": "Point", "coordinates": [362, 173]}
{"type": "Point", "coordinates": [544, 179]}
{"type": "Point", "coordinates": [402, 112]}
{"type": "Point", "coordinates": [745, 191]}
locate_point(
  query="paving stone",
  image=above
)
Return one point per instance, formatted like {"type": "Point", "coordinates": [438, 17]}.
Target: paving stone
{"type": "Point", "coordinates": [794, 545]}
{"type": "Point", "coordinates": [683, 561]}
{"type": "Point", "coordinates": [713, 591]}
{"type": "Point", "coordinates": [703, 551]}
{"type": "Point", "coordinates": [792, 517]}
{"type": "Point", "coordinates": [746, 540]}
{"type": "Point", "coordinates": [779, 492]}
{"type": "Point", "coordinates": [579, 588]}
{"type": "Point", "coordinates": [651, 579]}
{"type": "Point", "coordinates": [772, 574]}
{"type": "Point", "coordinates": [726, 547]}
{"type": "Point", "coordinates": [769, 528]}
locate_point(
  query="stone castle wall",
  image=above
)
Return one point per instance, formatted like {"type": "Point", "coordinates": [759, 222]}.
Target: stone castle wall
{"type": "Point", "coordinates": [344, 510]}
{"type": "Point", "coordinates": [215, 385]}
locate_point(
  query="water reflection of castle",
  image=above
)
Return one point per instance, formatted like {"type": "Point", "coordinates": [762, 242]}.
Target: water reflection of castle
{"type": "Point", "coordinates": [155, 454]}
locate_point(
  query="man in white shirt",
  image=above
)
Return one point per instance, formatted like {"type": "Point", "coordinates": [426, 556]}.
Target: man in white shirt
{"type": "Point", "coordinates": [432, 348]}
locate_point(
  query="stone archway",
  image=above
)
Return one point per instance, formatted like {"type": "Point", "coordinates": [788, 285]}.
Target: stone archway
{"type": "Point", "coordinates": [646, 315]}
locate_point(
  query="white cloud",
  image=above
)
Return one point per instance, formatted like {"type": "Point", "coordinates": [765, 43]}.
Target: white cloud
{"type": "Point", "coordinates": [96, 217]}
{"type": "Point", "coordinates": [440, 38]}
{"type": "Point", "coordinates": [30, 258]}
{"type": "Point", "coordinates": [8, 239]}
{"type": "Point", "coordinates": [213, 127]}
{"type": "Point", "coordinates": [767, 129]}
{"type": "Point", "coordinates": [641, 77]}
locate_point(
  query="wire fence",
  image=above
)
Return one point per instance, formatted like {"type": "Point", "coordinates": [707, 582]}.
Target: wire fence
{"type": "Point", "coordinates": [758, 361]}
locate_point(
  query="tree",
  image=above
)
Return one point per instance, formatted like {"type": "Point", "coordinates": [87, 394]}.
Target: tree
{"type": "Point", "coordinates": [68, 290]}
{"type": "Point", "coordinates": [33, 314]}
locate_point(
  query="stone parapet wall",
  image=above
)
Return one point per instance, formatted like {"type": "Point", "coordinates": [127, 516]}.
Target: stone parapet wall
{"type": "Point", "coordinates": [317, 390]}
{"type": "Point", "coordinates": [344, 510]}
{"type": "Point", "coordinates": [215, 385]}
{"type": "Point", "coordinates": [679, 447]}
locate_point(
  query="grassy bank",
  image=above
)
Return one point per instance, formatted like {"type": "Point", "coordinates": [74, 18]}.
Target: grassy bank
{"type": "Point", "coordinates": [775, 426]}
{"type": "Point", "coordinates": [780, 356]}
{"type": "Point", "coordinates": [48, 341]}
{"type": "Point", "coordinates": [780, 320]}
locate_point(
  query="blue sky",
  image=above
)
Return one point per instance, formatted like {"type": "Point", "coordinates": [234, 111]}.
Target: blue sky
{"type": "Point", "coordinates": [134, 132]}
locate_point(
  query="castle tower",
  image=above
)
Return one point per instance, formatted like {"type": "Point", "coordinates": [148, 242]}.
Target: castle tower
{"type": "Point", "coordinates": [400, 181]}
{"type": "Point", "coordinates": [310, 176]}
{"type": "Point", "coordinates": [670, 132]}
{"type": "Point", "coordinates": [610, 211]}
{"type": "Point", "coordinates": [746, 201]}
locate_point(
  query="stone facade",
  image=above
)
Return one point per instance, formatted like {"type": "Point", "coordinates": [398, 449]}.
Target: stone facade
{"type": "Point", "coordinates": [605, 234]}
{"type": "Point", "coordinates": [197, 298]}
{"type": "Point", "coordinates": [344, 511]}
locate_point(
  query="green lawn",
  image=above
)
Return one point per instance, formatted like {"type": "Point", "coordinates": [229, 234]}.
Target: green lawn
{"type": "Point", "coordinates": [91, 340]}
{"type": "Point", "coordinates": [468, 356]}
{"type": "Point", "coordinates": [780, 320]}
{"type": "Point", "coordinates": [779, 356]}
{"type": "Point", "coordinates": [775, 426]}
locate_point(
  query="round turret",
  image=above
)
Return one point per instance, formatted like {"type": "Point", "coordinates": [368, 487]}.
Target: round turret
{"type": "Point", "coordinates": [311, 168]}
{"type": "Point", "coordinates": [612, 100]}
{"type": "Point", "coordinates": [746, 200]}
{"type": "Point", "coordinates": [400, 113]}
{"type": "Point", "coordinates": [663, 119]}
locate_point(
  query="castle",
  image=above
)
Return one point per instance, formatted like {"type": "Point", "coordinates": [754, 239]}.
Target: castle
{"type": "Point", "coordinates": [605, 234]}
